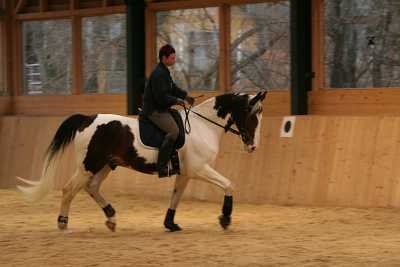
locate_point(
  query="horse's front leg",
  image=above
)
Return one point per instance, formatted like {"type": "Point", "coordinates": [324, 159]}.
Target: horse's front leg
{"type": "Point", "coordinates": [180, 185]}
{"type": "Point", "coordinates": [212, 176]}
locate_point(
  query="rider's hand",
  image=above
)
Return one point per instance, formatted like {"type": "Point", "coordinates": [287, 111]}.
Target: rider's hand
{"type": "Point", "coordinates": [189, 100]}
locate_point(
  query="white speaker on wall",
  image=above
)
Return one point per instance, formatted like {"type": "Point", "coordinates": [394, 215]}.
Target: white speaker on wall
{"type": "Point", "coordinates": [287, 127]}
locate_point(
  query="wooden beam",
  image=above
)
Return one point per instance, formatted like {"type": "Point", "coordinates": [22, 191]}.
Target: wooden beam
{"type": "Point", "coordinates": [76, 12]}
{"type": "Point", "coordinates": [159, 6]}
{"type": "Point", "coordinates": [300, 55]}
{"type": "Point", "coordinates": [136, 55]}
{"type": "Point", "coordinates": [20, 5]}
{"type": "Point", "coordinates": [107, 3]}
{"type": "Point", "coordinates": [76, 55]}
{"type": "Point", "coordinates": [224, 48]}
{"type": "Point", "coordinates": [318, 44]}
{"type": "Point", "coordinates": [150, 30]}
{"type": "Point", "coordinates": [8, 46]}
{"type": "Point", "coordinates": [73, 4]}
{"type": "Point", "coordinates": [44, 5]}
{"type": "Point", "coordinates": [66, 104]}
{"type": "Point", "coordinates": [17, 58]}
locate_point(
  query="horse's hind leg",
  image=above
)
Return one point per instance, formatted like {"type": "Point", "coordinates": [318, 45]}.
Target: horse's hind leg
{"type": "Point", "coordinates": [71, 188]}
{"type": "Point", "coordinates": [212, 176]}
{"type": "Point", "coordinates": [92, 187]}
{"type": "Point", "coordinates": [180, 185]}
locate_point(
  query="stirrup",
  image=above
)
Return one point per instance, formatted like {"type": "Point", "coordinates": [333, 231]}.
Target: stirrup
{"type": "Point", "coordinates": [163, 172]}
{"type": "Point", "coordinates": [175, 172]}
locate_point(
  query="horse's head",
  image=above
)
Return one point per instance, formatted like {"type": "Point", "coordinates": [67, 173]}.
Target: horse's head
{"type": "Point", "coordinates": [245, 113]}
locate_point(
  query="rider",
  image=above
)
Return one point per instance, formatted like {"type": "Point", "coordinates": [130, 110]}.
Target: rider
{"type": "Point", "coordinates": [160, 94]}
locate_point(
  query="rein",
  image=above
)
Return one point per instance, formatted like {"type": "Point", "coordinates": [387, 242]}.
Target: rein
{"type": "Point", "coordinates": [188, 127]}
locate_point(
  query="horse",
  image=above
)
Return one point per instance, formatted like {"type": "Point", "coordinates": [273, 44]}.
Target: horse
{"type": "Point", "coordinates": [102, 139]}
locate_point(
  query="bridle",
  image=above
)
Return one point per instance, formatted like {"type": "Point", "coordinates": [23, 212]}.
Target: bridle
{"type": "Point", "coordinates": [242, 132]}
{"type": "Point", "coordinates": [227, 127]}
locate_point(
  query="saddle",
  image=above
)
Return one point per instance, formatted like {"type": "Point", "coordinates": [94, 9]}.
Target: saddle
{"type": "Point", "coordinates": [153, 136]}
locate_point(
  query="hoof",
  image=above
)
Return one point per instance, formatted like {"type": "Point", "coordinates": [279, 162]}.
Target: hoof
{"type": "Point", "coordinates": [224, 221]}
{"type": "Point", "coordinates": [62, 226]}
{"type": "Point", "coordinates": [172, 227]}
{"type": "Point", "coordinates": [62, 222]}
{"type": "Point", "coordinates": [111, 225]}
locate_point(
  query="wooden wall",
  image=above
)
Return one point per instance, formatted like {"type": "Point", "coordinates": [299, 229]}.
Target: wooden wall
{"type": "Point", "coordinates": [331, 160]}
{"type": "Point", "coordinates": [382, 101]}
{"type": "Point", "coordinates": [5, 105]}
{"type": "Point", "coordinates": [357, 102]}
{"type": "Point", "coordinates": [277, 103]}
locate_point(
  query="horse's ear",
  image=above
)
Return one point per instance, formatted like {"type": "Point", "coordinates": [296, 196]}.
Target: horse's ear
{"type": "Point", "coordinates": [263, 93]}
{"type": "Point", "coordinates": [259, 97]}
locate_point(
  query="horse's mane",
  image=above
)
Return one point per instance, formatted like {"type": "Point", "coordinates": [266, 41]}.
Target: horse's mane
{"type": "Point", "coordinates": [227, 103]}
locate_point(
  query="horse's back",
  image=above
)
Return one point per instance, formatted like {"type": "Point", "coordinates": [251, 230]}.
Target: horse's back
{"type": "Point", "coordinates": [106, 125]}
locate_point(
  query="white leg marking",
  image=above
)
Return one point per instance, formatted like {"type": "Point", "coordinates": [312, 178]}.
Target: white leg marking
{"type": "Point", "coordinates": [71, 188]}
{"type": "Point", "coordinates": [93, 186]}
{"type": "Point", "coordinates": [180, 186]}
{"type": "Point", "coordinates": [210, 175]}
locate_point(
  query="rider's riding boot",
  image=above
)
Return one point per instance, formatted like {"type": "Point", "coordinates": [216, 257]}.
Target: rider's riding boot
{"type": "Point", "coordinates": [164, 155]}
{"type": "Point", "coordinates": [175, 163]}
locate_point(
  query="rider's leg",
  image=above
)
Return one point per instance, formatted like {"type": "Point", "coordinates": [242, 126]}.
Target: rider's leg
{"type": "Point", "coordinates": [165, 122]}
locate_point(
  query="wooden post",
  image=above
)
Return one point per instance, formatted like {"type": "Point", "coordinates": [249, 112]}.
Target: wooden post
{"type": "Point", "coordinates": [318, 44]}
{"type": "Point", "coordinates": [300, 46]}
{"type": "Point", "coordinates": [150, 31]}
{"type": "Point", "coordinates": [73, 4]}
{"type": "Point", "coordinates": [44, 5]}
{"type": "Point", "coordinates": [20, 5]}
{"type": "Point", "coordinates": [76, 55]}
{"type": "Point", "coordinates": [106, 3]}
{"type": "Point", "coordinates": [136, 54]}
{"type": "Point", "coordinates": [225, 48]}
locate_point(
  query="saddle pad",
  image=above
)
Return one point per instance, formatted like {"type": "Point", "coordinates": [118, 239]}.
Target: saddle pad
{"type": "Point", "coordinates": [153, 136]}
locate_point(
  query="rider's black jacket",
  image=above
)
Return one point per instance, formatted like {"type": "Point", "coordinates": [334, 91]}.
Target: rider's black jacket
{"type": "Point", "coordinates": [161, 92]}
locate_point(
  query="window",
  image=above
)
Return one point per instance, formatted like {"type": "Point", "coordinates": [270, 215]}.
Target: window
{"type": "Point", "coordinates": [46, 57]}
{"type": "Point", "coordinates": [195, 35]}
{"type": "Point", "coordinates": [361, 43]}
{"type": "Point", "coordinates": [104, 54]}
{"type": "Point", "coordinates": [260, 48]}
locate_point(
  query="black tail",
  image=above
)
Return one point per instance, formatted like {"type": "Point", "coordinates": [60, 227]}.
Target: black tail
{"type": "Point", "coordinates": [67, 131]}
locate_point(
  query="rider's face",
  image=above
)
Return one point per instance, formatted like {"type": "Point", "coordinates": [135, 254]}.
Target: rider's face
{"type": "Point", "coordinates": [170, 60]}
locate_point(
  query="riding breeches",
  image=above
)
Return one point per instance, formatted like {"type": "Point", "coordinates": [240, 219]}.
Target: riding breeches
{"type": "Point", "coordinates": [165, 122]}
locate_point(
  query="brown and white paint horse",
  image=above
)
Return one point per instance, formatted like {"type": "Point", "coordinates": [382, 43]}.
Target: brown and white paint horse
{"type": "Point", "coordinates": [100, 138]}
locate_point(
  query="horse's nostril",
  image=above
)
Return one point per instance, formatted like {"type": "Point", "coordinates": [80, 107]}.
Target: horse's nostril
{"type": "Point", "coordinates": [253, 148]}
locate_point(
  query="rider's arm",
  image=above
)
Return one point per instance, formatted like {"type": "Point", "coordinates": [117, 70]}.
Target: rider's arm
{"type": "Point", "coordinates": [178, 92]}
{"type": "Point", "coordinates": [160, 88]}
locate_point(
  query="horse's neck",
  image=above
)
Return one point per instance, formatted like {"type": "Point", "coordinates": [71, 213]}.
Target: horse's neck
{"type": "Point", "coordinates": [207, 110]}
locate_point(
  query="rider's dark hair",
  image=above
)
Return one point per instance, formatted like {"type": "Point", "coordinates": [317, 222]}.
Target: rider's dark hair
{"type": "Point", "coordinates": [166, 51]}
